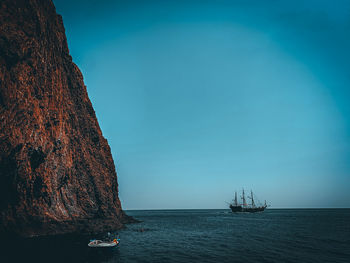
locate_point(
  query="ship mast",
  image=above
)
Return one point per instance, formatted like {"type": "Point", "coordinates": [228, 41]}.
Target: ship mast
{"type": "Point", "coordinates": [243, 198]}
{"type": "Point", "coordinates": [235, 202]}
{"type": "Point", "coordinates": [251, 195]}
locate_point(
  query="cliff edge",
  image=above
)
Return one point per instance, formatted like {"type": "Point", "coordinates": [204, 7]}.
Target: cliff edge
{"type": "Point", "coordinates": [56, 169]}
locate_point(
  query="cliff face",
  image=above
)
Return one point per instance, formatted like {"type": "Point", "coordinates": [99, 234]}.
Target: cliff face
{"type": "Point", "coordinates": [56, 170]}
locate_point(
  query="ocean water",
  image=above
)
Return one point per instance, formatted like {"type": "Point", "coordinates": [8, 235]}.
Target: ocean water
{"type": "Point", "coordinates": [276, 235]}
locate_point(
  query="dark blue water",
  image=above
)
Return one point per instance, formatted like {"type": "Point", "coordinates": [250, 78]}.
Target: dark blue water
{"type": "Point", "coordinates": [300, 235]}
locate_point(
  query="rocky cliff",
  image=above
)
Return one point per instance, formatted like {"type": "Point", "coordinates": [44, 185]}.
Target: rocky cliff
{"type": "Point", "coordinates": [56, 170]}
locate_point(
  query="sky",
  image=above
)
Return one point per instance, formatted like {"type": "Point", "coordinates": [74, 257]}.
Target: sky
{"type": "Point", "coordinates": [198, 99]}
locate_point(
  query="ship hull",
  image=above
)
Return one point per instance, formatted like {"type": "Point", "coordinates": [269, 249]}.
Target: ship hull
{"type": "Point", "coordinates": [237, 209]}
{"type": "Point", "coordinates": [253, 209]}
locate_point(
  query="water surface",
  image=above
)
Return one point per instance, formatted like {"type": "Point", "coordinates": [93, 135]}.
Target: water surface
{"type": "Point", "coordinates": [285, 235]}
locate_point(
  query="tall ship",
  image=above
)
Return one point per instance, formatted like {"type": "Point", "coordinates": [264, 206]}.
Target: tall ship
{"type": "Point", "coordinates": [252, 207]}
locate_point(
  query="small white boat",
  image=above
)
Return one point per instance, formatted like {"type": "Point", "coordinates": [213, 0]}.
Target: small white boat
{"type": "Point", "coordinates": [100, 243]}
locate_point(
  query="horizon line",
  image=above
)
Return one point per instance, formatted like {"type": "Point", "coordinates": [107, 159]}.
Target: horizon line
{"type": "Point", "coordinates": [274, 208]}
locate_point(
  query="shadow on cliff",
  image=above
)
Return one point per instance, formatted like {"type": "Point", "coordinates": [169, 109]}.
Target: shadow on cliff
{"type": "Point", "coordinates": [57, 174]}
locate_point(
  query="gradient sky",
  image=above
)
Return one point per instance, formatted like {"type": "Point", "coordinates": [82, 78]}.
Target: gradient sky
{"type": "Point", "coordinates": [200, 98]}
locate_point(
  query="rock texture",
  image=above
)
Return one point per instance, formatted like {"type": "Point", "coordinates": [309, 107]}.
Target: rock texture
{"type": "Point", "coordinates": [56, 170]}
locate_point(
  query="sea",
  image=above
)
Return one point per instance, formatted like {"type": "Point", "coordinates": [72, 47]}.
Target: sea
{"type": "Point", "coordinates": [275, 235]}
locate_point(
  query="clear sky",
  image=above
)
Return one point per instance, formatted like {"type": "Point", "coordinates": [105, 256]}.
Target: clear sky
{"type": "Point", "coordinates": [201, 98]}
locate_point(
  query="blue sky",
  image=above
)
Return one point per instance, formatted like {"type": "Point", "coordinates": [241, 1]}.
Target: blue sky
{"type": "Point", "coordinates": [201, 98]}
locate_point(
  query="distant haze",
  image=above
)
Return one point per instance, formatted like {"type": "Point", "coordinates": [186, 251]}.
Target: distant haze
{"type": "Point", "coordinates": [201, 98]}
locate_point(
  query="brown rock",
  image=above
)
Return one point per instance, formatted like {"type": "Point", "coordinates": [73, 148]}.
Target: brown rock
{"type": "Point", "coordinates": [56, 169]}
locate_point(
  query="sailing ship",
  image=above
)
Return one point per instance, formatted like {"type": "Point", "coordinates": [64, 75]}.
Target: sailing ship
{"type": "Point", "coordinates": [244, 206]}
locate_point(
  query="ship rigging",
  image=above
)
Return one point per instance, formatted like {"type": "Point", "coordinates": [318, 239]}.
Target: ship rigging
{"type": "Point", "coordinates": [237, 207]}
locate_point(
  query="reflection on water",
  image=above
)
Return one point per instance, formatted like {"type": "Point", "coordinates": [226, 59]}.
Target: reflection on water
{"type": "Point", "coordinates": [65, 248]}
